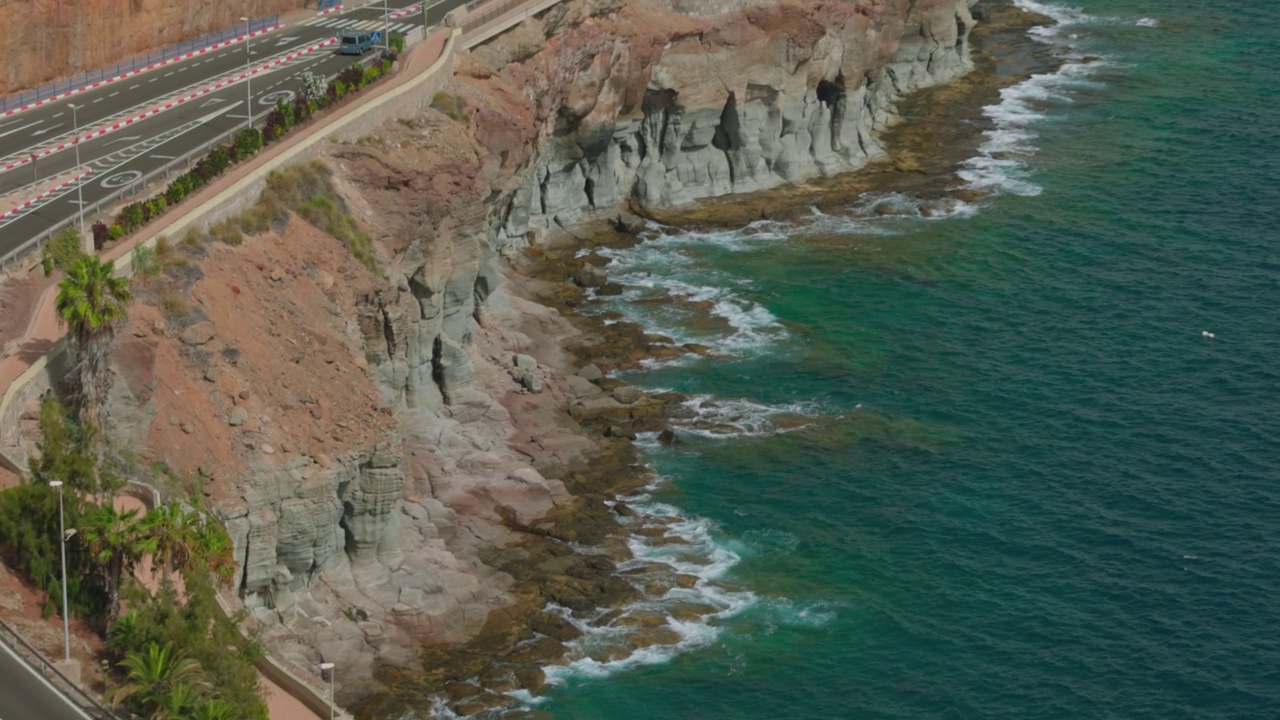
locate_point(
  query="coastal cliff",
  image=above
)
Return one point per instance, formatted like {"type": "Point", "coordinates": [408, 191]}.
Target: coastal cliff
{"type": "Point", "coordinates": [419, 454]}
{"type": "Point", "coordinates": [662, 111]}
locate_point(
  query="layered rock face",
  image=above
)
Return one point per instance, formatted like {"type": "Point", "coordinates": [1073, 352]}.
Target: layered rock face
{"type": "Point", "coordinates": [409, 440]}
{"type": "Point", "coordinates": [659, 112]}
{"type": "Point", "coordinates": [47, 41]}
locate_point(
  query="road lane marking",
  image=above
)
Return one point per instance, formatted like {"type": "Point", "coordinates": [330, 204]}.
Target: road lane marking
{"type": "Point", "coordinates": [24, 127]}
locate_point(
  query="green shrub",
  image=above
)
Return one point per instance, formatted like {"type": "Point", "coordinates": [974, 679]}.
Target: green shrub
{"type": "Point", "coordinates": [247, 142]}
{"type": "Point", "coordinates": [132, 216]}
{"type": "Point", "coordinates": [397, 43]}
{"type": "Point", "coordinates": [116, 231]}
{"type": "Point", "coordinates": [145, 263]}
{"type": "Point", "coordinates": [64, 249]}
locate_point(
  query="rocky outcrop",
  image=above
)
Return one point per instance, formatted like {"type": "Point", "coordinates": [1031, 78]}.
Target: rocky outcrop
{"type": "Point", "coordinates": [659, 112]}
{"type": "Point", "coordinates": [50, 41]}
{"type": "Point", "coordinates": [369, 437]}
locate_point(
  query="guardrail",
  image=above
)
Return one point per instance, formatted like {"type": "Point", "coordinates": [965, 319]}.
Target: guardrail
{"type": "Point", "coordinates": [492, 11]}
{"type": "Point", "coordinates": [52, 90]}
{"type": "Point", "coordinates": [70, 690]}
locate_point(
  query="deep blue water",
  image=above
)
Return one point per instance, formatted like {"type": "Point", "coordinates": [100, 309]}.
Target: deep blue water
{"type": "Point", "coordinates": [1028, 485]}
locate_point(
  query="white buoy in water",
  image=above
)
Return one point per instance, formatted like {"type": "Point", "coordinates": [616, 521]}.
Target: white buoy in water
{"type": "Point", "coordinates": [1206, 334]}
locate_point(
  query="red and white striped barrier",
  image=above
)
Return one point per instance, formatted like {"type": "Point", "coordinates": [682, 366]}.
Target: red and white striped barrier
{"type": "Point", "coordinates": [45, 194]}
{"type": "Point", "coordinates": [334, 9]}
{"type": "Point", "coordinates": [401, 13]}
{"type": "Point", "coordinates": [131, 73]}
{"type": "Point", "coordinates": [169, 105]}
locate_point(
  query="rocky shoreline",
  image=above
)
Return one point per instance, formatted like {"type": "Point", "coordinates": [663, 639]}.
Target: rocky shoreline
{"type": "Point", "coordinates": [573, 560]}
{"type": "Point", "coordinates": [425, 463]}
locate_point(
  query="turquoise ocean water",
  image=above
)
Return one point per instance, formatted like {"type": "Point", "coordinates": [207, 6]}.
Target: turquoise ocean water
{"type": "Point", "coordinates": [1029, 486]}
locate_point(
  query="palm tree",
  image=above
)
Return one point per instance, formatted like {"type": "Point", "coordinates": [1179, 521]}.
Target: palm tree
{"type": "Point", "coordinates": [154, 676]}
{"type": "Point", "coordinates": [216, 551]}
{"type": "Point", "coordinates": [116, 543]}
{"type": "Point", "coordinates": [171, 537]}
{"type": "Point", "coordinates": [92, 302]}
{"type": "Point", "coordinates": [177, 704]}
{"type": "Point", "coordinates": [212, 710]}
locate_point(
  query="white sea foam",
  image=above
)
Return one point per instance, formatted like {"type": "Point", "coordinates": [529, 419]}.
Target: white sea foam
{"type": "Point", "coordinates": [1065, 18]}
{"type": "Point", "coordinates": [738, 417]}
{"type": "Point", "coordinates": [662, 268]}
{"type": "Point", "coordinates": [1147, 22]}
{"type": "Point", "coordinates": [1001, 165]}
{"type": "Point", "coordinates": [603, 648]}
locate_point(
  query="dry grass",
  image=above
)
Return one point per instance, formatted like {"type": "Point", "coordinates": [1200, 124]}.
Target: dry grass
{"type": "Point", "coordinates": [175, 304]}
{"type": "Point", "coordinates": [305, 189]}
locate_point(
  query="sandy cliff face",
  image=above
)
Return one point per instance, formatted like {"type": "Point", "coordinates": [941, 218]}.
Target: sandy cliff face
{"type": "Point", "coordinates": [47, 41]}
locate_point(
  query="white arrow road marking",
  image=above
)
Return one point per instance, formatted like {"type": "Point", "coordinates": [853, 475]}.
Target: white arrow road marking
{"type": "Point", "coordinates": [42, 131]}
{"type": "Point", "coordinates": [123, 139]}
{"type": "Point", "coordinates": [288, 39]}
{"type": "Point", "coordinates": [212, 101]}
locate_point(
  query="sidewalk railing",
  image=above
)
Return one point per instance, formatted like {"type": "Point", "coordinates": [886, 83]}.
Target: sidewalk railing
{"type": "Point", "coordinates": [491, 11]}
{"type": "Point", "coordinates": [70, 690]}
{"type": "Point", "coordinates": [53, 90]}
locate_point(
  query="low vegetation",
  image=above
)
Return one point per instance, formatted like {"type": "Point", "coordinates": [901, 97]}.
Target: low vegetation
{"type": "Point", "coordinates": [315, 96]}
{"type": "Point", "coordinates": [171, 653]}
{"type": "Point", "coordinates": [454, 106]}
{"type": "Point", "coordinates": [62, 251]}
{"type": "Point", "coordinates": [306, 189]}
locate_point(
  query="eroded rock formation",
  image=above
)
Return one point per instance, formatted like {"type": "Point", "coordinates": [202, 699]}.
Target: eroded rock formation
{"type": "Point", "coordinates": [368, 437]}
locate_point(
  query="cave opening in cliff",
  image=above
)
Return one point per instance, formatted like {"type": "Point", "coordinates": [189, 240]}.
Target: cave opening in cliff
{"type": "Point", "coordinates": [832, 95]}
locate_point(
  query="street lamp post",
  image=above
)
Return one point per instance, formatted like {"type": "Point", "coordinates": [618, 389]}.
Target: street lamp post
{"type": "Point", "coordinates": [248, 84]}
{"type": "Point", "coordinates": [386, 28]}
{"type": "Point", "coordinates": [323, 667]}
{"type": "Point", "coordinates": [62, 536]}
{"type": "Point", "coordinates": [75, 125]}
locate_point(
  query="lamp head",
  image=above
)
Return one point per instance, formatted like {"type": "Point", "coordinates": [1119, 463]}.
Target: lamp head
{"type": "Point", "coordinates": [55, 483]}
{"type": "Point", "coordinates": [326, 666]}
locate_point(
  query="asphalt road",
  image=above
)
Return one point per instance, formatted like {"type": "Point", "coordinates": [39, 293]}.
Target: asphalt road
{"type": "Point", "coordinates": [126, 155]}
{"type": "Point", "coordinates": [24, 695]}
